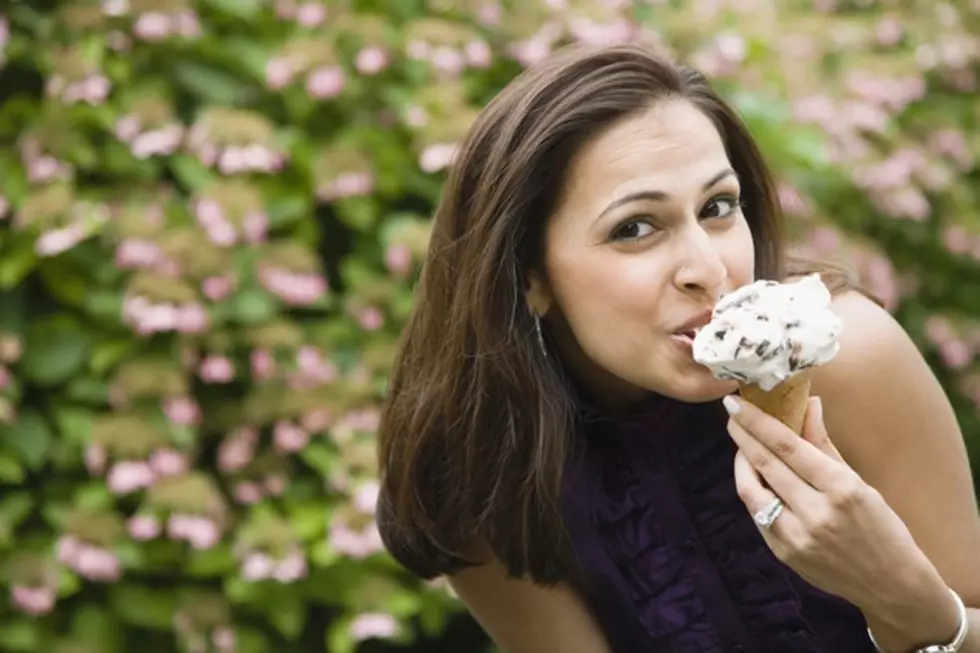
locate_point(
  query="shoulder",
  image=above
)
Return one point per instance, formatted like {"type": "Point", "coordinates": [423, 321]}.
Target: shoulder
{"type": "Point", "coordinates": [879, 368]}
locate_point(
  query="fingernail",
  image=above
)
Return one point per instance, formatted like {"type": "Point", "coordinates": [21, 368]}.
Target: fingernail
{"type": "Point", "coordinates": [818, 408]}
{"type": "Point", "coordinates": [731, 404]}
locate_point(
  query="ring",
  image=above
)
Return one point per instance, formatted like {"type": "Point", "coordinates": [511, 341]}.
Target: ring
{"type": "Point", "coordinates": [767, 515]}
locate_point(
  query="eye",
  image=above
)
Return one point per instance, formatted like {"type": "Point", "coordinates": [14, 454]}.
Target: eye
{"type": "Point", "coordinates": [720, 207]}
{"type": "Point", "coordinates": [633, 229]}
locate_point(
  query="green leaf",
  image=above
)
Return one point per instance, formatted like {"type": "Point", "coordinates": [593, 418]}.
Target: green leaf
{"type": "Point", "coordinates": [213, 85]}
{"type": "Point", "coordinates": [211, 563]}
{"type": "Point", "coordinates": [287, 613]}
{"type": "Point", "coordinates": [108, 354]}
{"type": "Point", "coordinates": [338, 638]}
{"type": "Point", "coordinates": [30, 436]}
{"type": "Point", "coordinates": [15, 507]}
{"type": "Point", "coordinates": [189, 171]}
{"type": "Point", "coordinates": [17, 259]}
{"type": "Point", "coordinates": [144, 607]}
{"type": "Point", "coordinates": [11, 471]}
{"type": "Point", "coordinates": [56, 347]}
{"type": "Point", "coordinates": [74, 424]}
{"type": "Point", "coordinates": [244, 9]}
{"type": "Point", "coordinates": [66, 280]}
{"type": "Point", "coordinates": [20, 634]}
{"type": "Point", "coordinates": [12, 311]}
{"type": "Point", "coordinates": [93, 625]}
{"type": "Point", "coordinates": [253, 306]}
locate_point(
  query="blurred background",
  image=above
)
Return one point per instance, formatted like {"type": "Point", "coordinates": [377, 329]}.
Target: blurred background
{"type": "Point", "coordinates": [211, 215]}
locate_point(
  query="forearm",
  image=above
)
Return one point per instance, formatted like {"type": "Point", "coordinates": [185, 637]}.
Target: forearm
{"type": "Point", "coordinates": [893, 640]}
{"type": "Point", "coordinates": [926, 615]}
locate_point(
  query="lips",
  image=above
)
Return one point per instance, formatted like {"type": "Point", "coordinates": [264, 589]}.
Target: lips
{"type": "Point", "coordinates": [691, 328]}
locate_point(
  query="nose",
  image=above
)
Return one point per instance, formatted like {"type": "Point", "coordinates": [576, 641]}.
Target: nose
{"type": "Point", "coordinates": [700, 268]}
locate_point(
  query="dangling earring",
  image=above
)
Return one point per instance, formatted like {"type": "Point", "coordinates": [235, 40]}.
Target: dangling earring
{"type": "Point", "coordinates": [537, 331]}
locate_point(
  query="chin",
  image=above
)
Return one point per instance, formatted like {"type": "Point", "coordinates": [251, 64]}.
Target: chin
{"type": "Point", "coordinates": [699, 389]}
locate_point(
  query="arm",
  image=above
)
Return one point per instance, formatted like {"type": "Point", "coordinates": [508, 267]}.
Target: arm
{"type": "Point", "coordinates": [887, 414]}
{"type": "Point", "coordinates": [522, 617]}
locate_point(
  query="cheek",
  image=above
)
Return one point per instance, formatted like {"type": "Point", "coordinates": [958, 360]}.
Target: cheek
{"type": "Point", "coordinates": [738, 254]}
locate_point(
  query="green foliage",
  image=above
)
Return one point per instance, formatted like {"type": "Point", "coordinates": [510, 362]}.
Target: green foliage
{"type": "Point", "coordinates": [212, 214]}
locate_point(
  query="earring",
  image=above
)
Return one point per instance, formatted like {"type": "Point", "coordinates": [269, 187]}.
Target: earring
{"type": "Point", "coordinates": [537, 331]}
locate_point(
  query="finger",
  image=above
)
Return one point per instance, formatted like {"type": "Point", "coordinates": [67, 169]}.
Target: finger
{"type": "Point", "coordinates": [783, 480]}
{"type": "Point", "coordinates": [806, 460]}
{"type": "Point", "coordinates": [757, 496]}
{"type": "Point", "coordinates": [786, 528]}
{"type": "Point", "coordinates": [815, 431]}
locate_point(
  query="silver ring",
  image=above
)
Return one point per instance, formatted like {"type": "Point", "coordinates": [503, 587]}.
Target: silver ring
{"type": "Point", "coordinates": [768, 514]}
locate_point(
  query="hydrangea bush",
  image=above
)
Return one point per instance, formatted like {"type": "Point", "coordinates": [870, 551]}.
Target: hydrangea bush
{"type": "Point", "coordinates": [211, 213]}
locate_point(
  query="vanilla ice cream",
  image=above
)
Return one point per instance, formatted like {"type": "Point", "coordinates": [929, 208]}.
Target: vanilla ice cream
{"type": "Point", "coordinates": [766, 332]}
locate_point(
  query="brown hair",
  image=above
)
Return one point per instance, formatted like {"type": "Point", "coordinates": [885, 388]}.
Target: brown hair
{"type": "Point", "coordinates": [478, 423]}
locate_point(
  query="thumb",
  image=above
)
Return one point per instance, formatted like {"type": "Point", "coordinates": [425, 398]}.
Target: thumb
{"type": "Point", "coordinates": [815, 432]}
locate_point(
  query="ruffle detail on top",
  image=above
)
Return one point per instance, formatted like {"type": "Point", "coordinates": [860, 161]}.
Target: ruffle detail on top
{"type": "Point", "coordinates": [665, 508]}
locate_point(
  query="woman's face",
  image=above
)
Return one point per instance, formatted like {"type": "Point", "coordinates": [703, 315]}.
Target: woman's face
{"type": "Point", "coordinates": [647, 235]}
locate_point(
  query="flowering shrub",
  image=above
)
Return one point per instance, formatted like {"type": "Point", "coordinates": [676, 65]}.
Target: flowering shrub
{"type": "Point", "coordinates": [212, 212]}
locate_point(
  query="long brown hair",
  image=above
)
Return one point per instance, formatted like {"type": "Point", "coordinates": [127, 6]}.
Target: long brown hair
{"type": "Point", "coordinates": [478, 422]}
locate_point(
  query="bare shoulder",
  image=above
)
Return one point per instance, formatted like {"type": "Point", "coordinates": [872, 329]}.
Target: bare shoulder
{"type": "Point", "coordinates": [521, 616]}
{"type": "Point", "coordinates": [878, 377]}
{"type": "Point", "coordinates": [891, 420]}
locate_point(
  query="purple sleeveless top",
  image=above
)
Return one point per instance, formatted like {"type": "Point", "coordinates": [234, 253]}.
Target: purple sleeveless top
{"type": "Point", "coordinates": [670, 559]}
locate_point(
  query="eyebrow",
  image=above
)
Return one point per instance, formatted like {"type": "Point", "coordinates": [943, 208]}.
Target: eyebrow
{"type": "Point", "coordinates": [662, 196]}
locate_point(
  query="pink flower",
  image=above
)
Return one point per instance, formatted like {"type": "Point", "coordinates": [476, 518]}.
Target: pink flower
{"type": "Point", "coordinates": [398, 260]}
{"type": "Point", "coordinates": [275, 485]}
{"type": "Point", "coordinates": [129, 476]}
{"type": "Point", "coordinates": [349, 184]}
{"type": "Point", "coordinates": [356, 545]}
{"type": "Point", "coordinates": [955, 354]}
{"type": "Point", "coordinates": [437, 157]}
{"type": "Point", "coordinates": [291, 568]}
{"type": "Point", "coordinates": [317, 421]}
{"type": "Point", "coordinates": [326, 82]}
{"type": "Point", "coordinates": [478, 54]}
{"type": "Point", "coordinates": [288, 437]}
{"type": "Point", "coordinates": [223, 639]}
{"type": "Point", "coordinates": [366, 497]}
{"type": "Point", "coordinates": [278, 73]}
{"type": "Point", "coordinates": [247, 492]}
{"type": "Point", "coordinates": [310, 14]}
{"type": "Point", "coordinates": [168, 462]}
{"type": "Point", "coordinates": [182, 410]}
{"type": "Point", "coordinates": [138, 253]}
{"type": "Point", "coordinates": [256, 227]}
{"type": "Point", "coordinates": [447, 60]}
{"type": "Point", "coordinates": [218, 287]}
{"type": "Point", "coordinates": [237, 449]}
{"type": "Point", "coordinates": [152, 26]}
{"type": "Point", "coordinates": [371, 61]}
{"type": "Point", "coordinates": [200, 532]}
{"type": "Point", "coordinates": [217, 369]}
{"type": "Point", "coordinates": [89, 561]}
{"type": "Point", "coordinates": [263, 364]}
{"type": "Point", "coordinates": [370, 318]}
{"type": "Point", "coordinates": [257, 566]}
{"type": "Point", "coordinates": [373, 625]}
{"type": "Point", "coordinates": [56, 241]}
{"type": "Point", "coordinates": [143, 527]}
{"type": "Point", "coordinates": [293, 288]}
{"type": "Point", "coordinates": [34, 601]}
{"type": "Point", "coordinates": [95, 459]}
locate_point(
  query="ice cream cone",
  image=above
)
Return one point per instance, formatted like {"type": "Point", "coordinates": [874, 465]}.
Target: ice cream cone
{"type": "Point", "coordinates": [786, 402]}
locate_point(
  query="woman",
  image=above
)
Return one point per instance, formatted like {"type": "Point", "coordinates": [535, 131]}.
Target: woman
{"type": "Point", "coordinates": [551, 446]}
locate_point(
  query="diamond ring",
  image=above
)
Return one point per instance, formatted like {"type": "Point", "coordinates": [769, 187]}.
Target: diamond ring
{"type": "Point", "coordinates": [768, 514]}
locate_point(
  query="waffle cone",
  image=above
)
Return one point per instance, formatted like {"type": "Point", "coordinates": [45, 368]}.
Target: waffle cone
{"type": "Point", "coordinates": [786, 402]}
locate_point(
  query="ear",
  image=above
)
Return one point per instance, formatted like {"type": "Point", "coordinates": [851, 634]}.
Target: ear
{"type": "Point", "coordinates": [538, 294]}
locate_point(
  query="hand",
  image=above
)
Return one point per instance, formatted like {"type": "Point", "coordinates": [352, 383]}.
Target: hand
{"type": "Point", "coordinates": [835, 531]}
